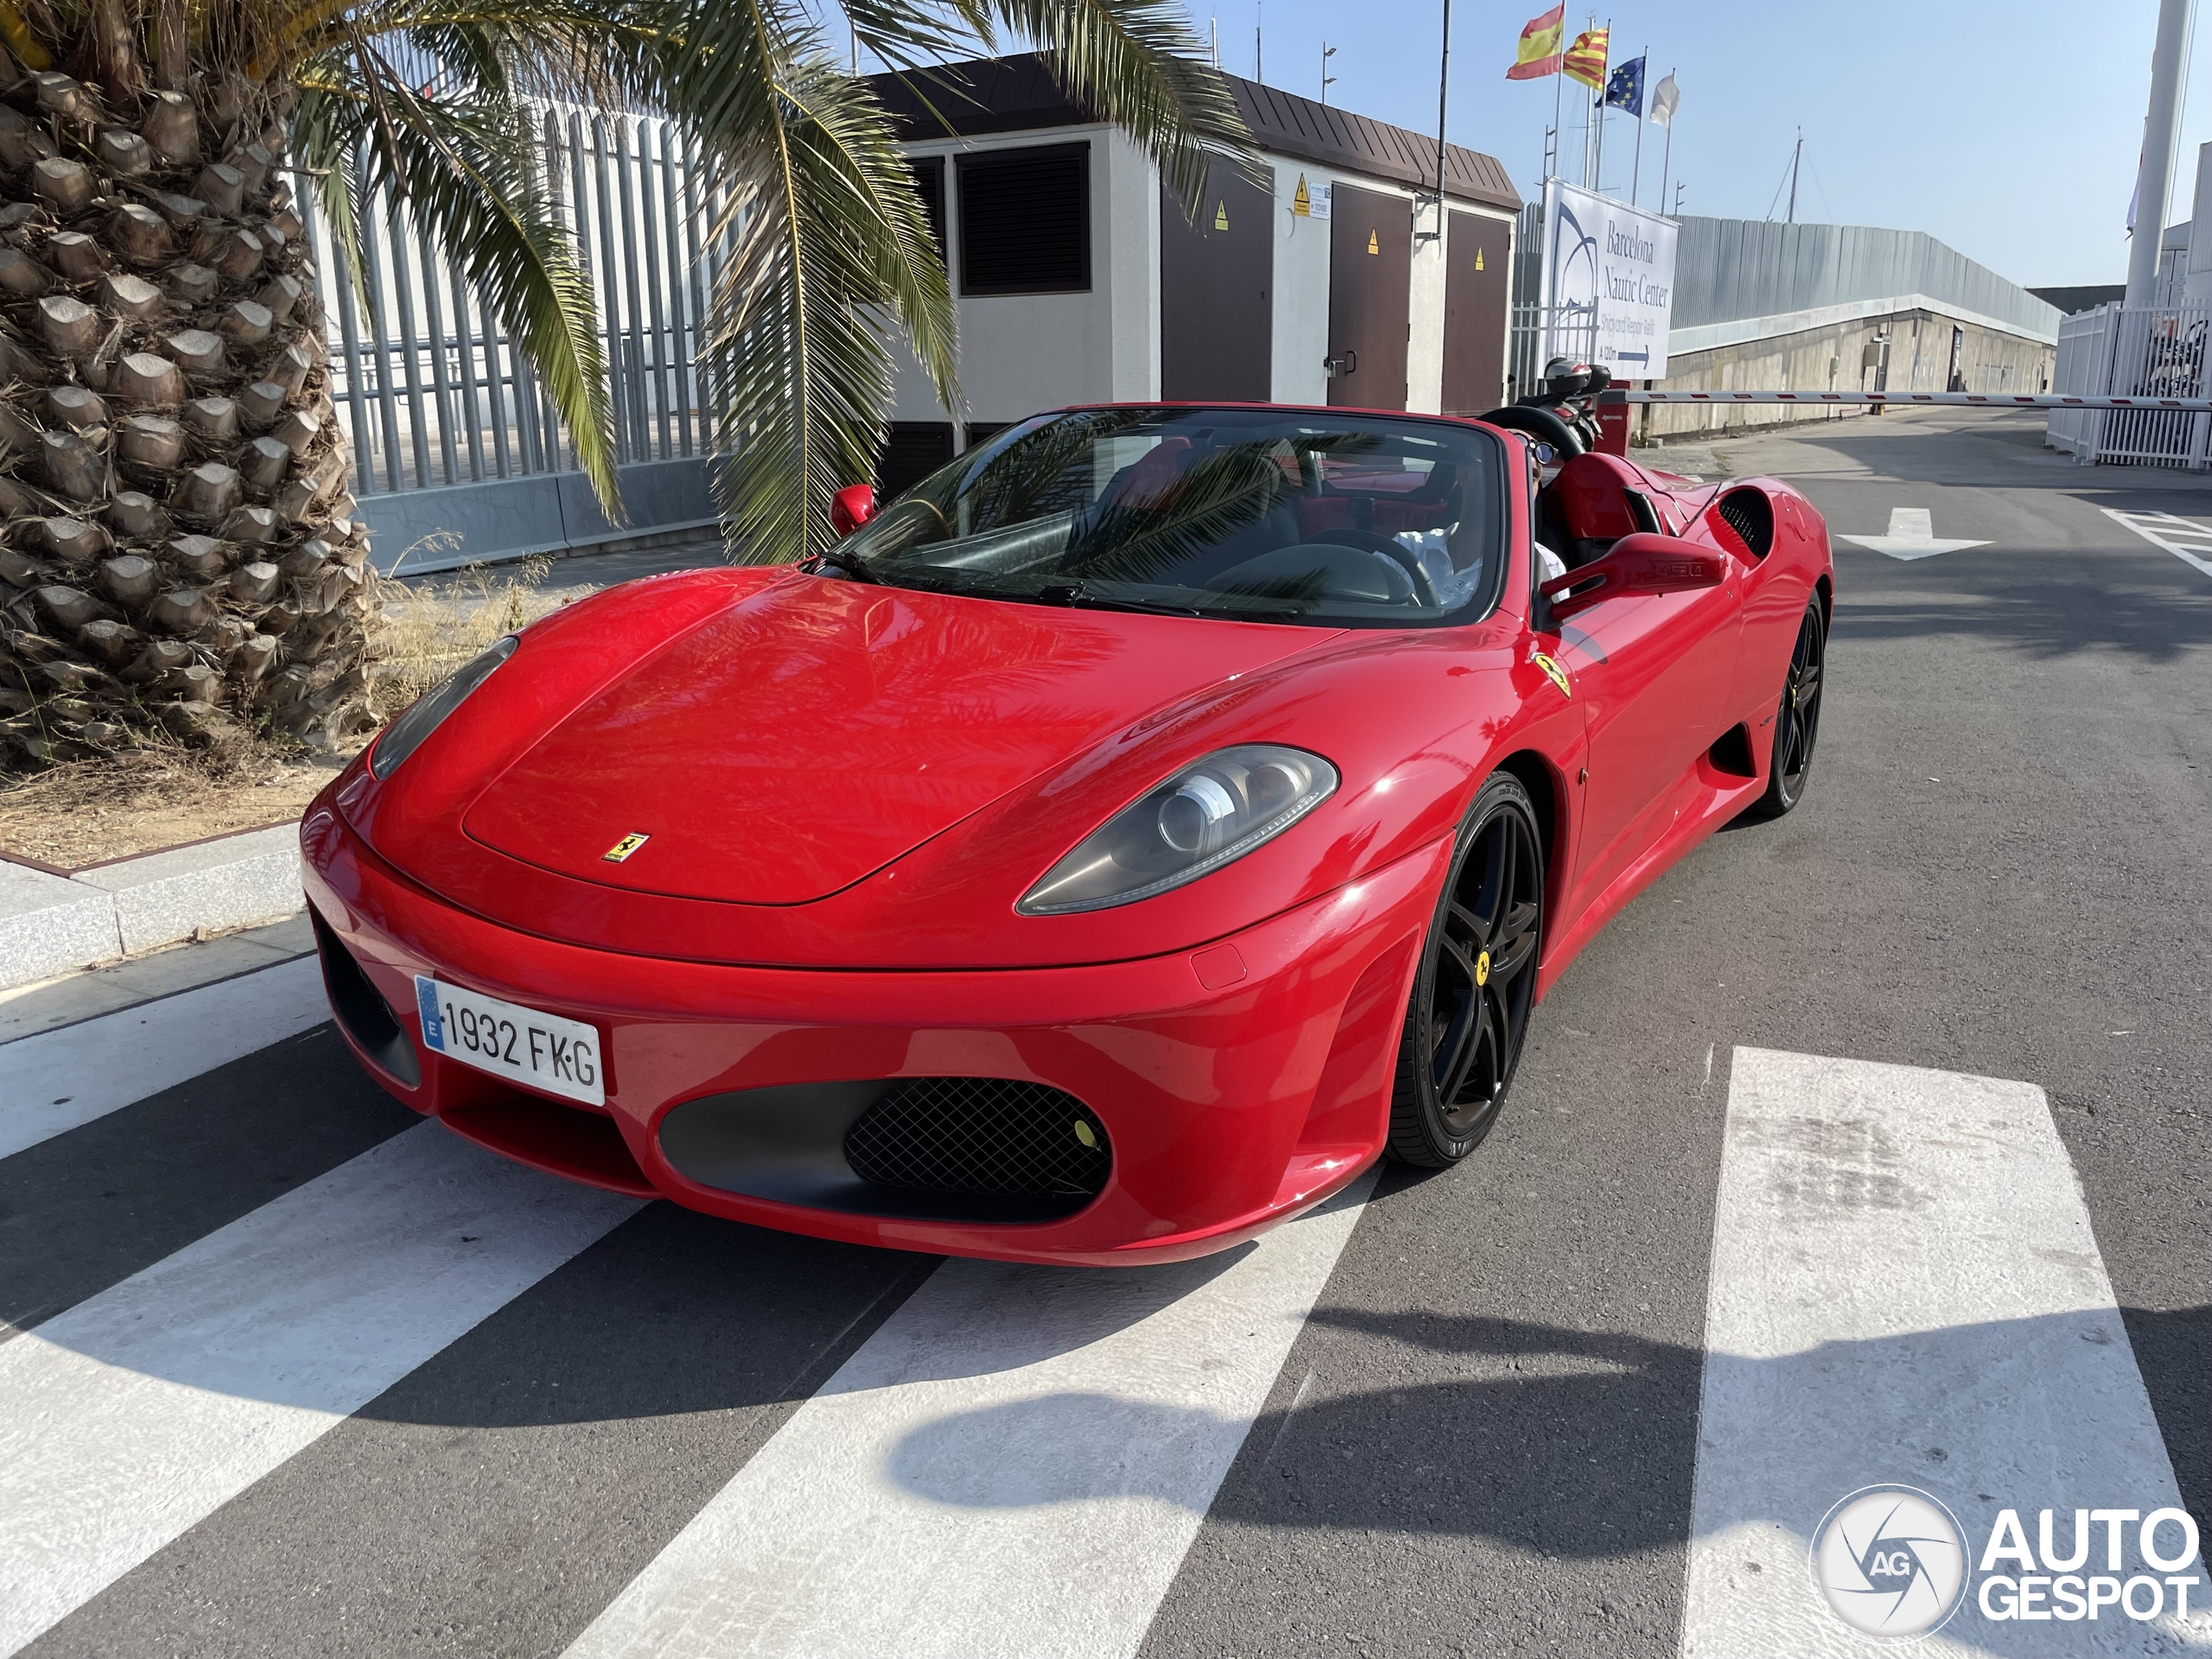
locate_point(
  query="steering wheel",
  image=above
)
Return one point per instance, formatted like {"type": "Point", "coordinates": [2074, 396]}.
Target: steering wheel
{"type": "Point", "coordinates": [1542, 424]}
{"type": "Point", "coordinates": [1397, 552]}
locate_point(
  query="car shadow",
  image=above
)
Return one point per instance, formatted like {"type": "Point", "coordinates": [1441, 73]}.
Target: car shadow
{"type": "Point", "coordinates": [1526, 1443]}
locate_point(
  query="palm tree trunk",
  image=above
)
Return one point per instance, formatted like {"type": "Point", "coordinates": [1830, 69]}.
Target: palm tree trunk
{"type": "Point", "coordinates": [180, 552]}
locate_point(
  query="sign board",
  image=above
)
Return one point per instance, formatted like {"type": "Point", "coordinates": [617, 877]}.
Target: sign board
{"type": "Point", "coordinates": [1608, 282]}
{"type": "Point", "coordinates": [1310, 201]}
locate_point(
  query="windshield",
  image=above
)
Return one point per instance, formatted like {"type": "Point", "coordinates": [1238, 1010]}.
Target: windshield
{"type": "Point", "coordinates": [1272, 515]}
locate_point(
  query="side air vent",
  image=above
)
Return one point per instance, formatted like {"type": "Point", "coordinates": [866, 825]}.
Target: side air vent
{"type": "Point", "coordinates": [361, 1007]}
{"type": "Point", "coordinates": [1750, 515]}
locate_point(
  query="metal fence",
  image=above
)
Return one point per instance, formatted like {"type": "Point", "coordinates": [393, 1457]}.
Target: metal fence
{"type": "Point", "coordinates": [432, 393]}
{"type": "Point", "coordinates": [1540, 333]}
{"type": "Point", "coordinates": [2149, 351]}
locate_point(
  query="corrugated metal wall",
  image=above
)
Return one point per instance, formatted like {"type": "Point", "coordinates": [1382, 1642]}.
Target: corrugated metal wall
{"type": "Point", "coordinates": [1726, 269]}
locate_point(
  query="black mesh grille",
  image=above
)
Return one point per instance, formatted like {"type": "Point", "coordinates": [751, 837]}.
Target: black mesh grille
{"type": "Point", "coordinates": [980, 1134]}
{"type": "Point", "coordinates": [1750, 515]}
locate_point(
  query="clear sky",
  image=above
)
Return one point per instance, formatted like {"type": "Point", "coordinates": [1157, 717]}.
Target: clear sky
{"type": "Point", "coordinates": [2009, 131]}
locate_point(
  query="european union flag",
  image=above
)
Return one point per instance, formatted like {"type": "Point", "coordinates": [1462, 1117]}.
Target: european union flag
{"type": "Point", "coordinates": [1624, 90]}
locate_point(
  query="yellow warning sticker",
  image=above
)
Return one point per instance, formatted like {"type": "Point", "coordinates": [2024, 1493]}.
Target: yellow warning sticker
{"type": "Point", "coordinates": [1373, 246]}
{"type": "Point", "coordinates": [1478, 258]}
{"type": "Point", "coordinates": [622, 849]}
{"type": "Point", "coordinates": [1221, 215]}
{"type": "Point", "coordinates": [1557, 674]}
{"type": "Point", "coordinates": [1301, 201]}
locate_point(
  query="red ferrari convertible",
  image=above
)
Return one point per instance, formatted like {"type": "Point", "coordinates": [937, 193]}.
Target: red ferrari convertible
{"type": "Point", "coordinates": [1110, 849]}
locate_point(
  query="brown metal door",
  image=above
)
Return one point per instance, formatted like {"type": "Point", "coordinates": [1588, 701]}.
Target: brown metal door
{"type": "Point", "coordinates": [1371, 270]}
{"type": "Point", "coordinates": [1216, 282]}
{"type": "Point", "coordinates": [1474, 315]}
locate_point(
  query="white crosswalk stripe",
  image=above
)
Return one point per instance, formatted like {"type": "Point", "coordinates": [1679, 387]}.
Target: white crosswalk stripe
{"type": "Point", "coordinates": [48, 1087]}
{"type": "Point", "coordinates": [133, 1416]}
{"type": "Point", "coordinates": [1013, 1465]}
{"type": "Point", "coordinates": [1905, 1289]}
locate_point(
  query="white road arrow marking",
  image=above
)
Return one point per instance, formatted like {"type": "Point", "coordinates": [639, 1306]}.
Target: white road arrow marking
{"type": "Point", "coordinates": [1912, 536]}
{"type": "Point", "coordinates": [2184, 538]}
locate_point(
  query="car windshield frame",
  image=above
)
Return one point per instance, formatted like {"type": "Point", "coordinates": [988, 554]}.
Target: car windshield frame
{"type": "Point", "coordinates": [1101, 507]}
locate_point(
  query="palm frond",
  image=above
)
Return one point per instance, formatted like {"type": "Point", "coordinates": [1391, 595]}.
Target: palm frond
{"type": "Point", "coordinates": [832, 249]}
{"type": "Point", "coordinates": [469, 170]}
{"type": "Point", "coordinates": [1137, 64]}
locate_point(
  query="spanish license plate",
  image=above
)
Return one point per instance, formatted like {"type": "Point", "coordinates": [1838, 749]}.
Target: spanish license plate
{"type": "Point", "coordinates": [522, 1044]}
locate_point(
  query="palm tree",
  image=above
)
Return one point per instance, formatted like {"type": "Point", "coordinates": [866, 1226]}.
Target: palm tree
{"type": "Point", "coordinates": [179, 548]}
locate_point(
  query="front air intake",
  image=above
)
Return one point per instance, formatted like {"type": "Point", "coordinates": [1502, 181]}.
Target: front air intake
{"type": "Point", "coordinates": [980, 1135]}
{"type": "Point", "coordinates": [361, 1008]}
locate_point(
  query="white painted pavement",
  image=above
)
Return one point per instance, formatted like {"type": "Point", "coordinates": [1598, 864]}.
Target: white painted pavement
{"type": "Point", "coordinates": [54, 1081]}
{"type": "Point", "coordinates": [1911, 535]}
{"type": "Point", "coordinates": [1015, 1464]}
{"type": "Point", "coordinates": [2186, 539]}
{"type": "Point", "coordinates": [1905, 1289]}
{"type": "Point", "coordinates": [133, 1416]}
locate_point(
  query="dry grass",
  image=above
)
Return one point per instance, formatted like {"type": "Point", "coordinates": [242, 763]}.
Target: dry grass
{"type": "Point", "coordinates": [87, 811]}
{"type": "Point", "coordinates": [422, 634]}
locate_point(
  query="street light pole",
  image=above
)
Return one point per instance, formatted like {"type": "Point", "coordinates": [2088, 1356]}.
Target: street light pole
{"type": "Point", "coordinates": [2161, 132]}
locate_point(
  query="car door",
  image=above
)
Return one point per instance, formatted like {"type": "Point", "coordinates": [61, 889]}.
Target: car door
{"type": "Point", "coordinates": [1657, 675]}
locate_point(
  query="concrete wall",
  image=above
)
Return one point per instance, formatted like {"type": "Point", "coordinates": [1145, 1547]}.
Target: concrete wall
{"type": "Point", "coordinates": [1301, 290]}
{"type": "Point", "coordinates": [1020, 354]}
{"type": "Point", "coordinates": [1833, 358]}
{"type": "Point", "coordinates": [460, 524]}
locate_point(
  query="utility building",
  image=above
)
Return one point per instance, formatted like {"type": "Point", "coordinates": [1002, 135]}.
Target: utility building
{"type": "Point", "coordinates": [1327, 280]}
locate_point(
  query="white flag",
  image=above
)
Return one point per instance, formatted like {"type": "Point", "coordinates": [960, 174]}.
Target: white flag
{"type": "Point", "coordinates": [1664, 97]}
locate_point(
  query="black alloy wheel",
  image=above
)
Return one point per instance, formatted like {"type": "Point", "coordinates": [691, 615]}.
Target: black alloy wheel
{"type": "Point", "coordinates": [1478, 981]}
{"type": "Point", "coordinates": [1797, 722]}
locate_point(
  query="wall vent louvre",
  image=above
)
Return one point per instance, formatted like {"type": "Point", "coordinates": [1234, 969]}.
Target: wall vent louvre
{"type": "Point", "coordinates": [1025, 221]}
{"type": "Point", "coordinates": [912, 451]}
{"type": "Point", "coordinates": [928, 180]}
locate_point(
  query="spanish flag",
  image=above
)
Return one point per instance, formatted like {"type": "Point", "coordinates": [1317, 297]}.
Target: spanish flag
{"type": "Point", "coordinates": [1585, 59]}
{"type": "Point", "coordinates": [1539, 53]}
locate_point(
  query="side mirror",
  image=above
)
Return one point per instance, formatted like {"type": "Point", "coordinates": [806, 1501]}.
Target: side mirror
{"type": "Point", "coordinates": [851, 507]}
{"type": "Point", "coordinates": [1642, 563]}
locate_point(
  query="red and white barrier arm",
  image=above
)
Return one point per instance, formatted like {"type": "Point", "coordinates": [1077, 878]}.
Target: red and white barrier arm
{"type": "Point", "coordinates": [1936, 399]}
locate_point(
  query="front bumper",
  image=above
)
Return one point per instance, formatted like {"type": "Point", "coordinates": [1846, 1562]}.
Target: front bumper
{"type": "Point", "coordinates": [1239, 1084]}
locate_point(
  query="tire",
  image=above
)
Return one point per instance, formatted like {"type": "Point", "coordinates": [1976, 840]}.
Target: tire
{"type": "Point", "coordinates": [1469, 1011]}
{"type": "Point", "coordinates": [1798, 721]}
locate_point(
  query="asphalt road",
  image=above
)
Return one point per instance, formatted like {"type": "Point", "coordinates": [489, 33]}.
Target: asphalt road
{"type": "Point", "coordinates": [1482, 1438]}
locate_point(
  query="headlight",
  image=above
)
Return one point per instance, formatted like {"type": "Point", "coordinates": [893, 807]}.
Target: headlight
{"type": "Point", "coordinates": [1198, 821]}
{"type": "Point", "coordinates": [404, 736]}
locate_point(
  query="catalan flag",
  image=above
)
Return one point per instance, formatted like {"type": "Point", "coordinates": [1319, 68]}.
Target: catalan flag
{"type": "Point", "coordinates": [1539, 52]}
{"type": "Point", "coordinates": [1585, 59]}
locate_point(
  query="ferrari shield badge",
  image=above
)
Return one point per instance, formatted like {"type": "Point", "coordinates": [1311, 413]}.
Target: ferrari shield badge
{"type": "Point", "coordinates": [1557, 675]}
{"type": "Point", "coordinates": [622, 849]}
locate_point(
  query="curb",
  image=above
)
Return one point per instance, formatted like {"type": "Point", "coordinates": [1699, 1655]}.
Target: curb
{"type": "Point", "coordinates": [51, 922]}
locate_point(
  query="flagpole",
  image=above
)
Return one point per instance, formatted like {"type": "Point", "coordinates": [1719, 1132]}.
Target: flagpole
{"type": "Point", "coordinates": [1590, 22]}
{"type": "Point", "coordinates": [1666, 166]}
{"type": "Point", "coordinates": [1604, 75]}
{"type": "Point", "coordinates": [1643, 103]}
{"type": "Point", "coordinates": [1559, 133]}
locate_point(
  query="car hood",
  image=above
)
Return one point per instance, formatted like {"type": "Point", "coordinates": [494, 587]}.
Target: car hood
{"type": "Point", "coordinates": [812, 733]}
